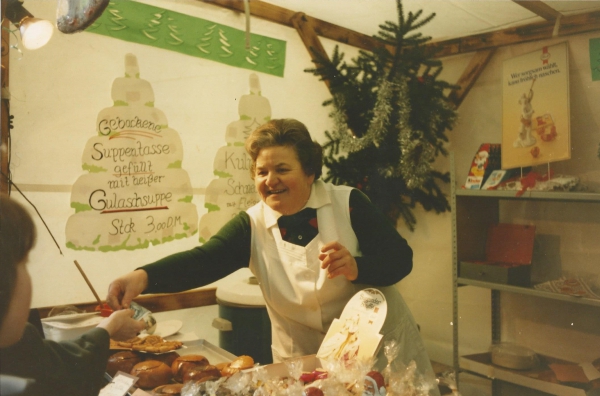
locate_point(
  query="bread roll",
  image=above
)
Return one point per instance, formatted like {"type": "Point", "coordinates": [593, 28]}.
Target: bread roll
{"type": "Point", "coordinates": [151, 373]}
{"type": "Point", "coordinates": [167, 358]}
{"type": "Point", "coordinates": [184, 363]}
{"type": "Point", "coordinates": [199, 373]}
{"type": "Point", "coordinates": [223, 367]}
{"type": "Point", "coordinates": [122, 361]}
{"type": "Point", "coordinates": [242, 362]}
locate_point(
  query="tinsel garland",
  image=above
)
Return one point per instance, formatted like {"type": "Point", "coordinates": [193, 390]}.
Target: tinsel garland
{"type": "Point", "coordinates": [417, 155]}
{"type": "Point", "coordinates": [377, 127]}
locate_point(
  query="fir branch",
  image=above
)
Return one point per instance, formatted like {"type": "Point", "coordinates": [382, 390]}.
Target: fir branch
{"type": "Point", "coordinates": [395, 107]}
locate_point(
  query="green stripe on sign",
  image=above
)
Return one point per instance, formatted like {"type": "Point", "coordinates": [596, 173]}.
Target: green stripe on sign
{"type": "Point", "coordinates": [173, 31]}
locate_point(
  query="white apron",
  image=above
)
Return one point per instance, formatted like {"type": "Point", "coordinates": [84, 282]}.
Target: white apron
{"type": "Point", "coordinates": [301, 301]}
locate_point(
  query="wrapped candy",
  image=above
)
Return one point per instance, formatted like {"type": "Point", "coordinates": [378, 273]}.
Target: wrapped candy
{"type": "Point", "coordinates": [240, 383]}
{"type": "Point", "coordinates": [408, 383]}
{"type": "Point", "coordinates": [294, 367]}
{"type": "Point", "coordinates": [209, 388]}
{"type": "Point", "coordinates": [448, 379]}
{"type": "Point", "coordinates": [390, 350]}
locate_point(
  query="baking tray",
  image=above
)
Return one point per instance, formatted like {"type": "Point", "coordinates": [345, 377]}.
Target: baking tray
{"type": "Point", "coordinates": [211, 352]}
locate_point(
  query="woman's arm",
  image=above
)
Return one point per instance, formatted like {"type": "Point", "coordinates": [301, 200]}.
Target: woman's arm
{"type": "Point", "coordinates": [386, 257]}
{"type": "Point", "coordinates": [224, 253]}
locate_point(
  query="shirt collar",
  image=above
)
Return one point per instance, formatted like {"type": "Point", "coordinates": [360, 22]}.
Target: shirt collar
{"type": "Point", "coordinates": [318, 198]}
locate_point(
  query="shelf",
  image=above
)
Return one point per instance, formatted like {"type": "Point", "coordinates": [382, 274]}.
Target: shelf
{"type": "Point", "coordinates": [541, 378]}
{"type": "Point", "coordinates": [529, 291]}
{"type": "Point", "coordinates": [533, 195]}
{"type": "Point", "coordinates": [473, 212]}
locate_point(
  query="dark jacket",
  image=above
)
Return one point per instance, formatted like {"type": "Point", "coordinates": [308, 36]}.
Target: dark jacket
{"type": "Point", "coordinates": [73, 368]}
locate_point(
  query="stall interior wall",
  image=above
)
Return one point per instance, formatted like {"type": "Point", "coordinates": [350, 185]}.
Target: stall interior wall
{"type": "Point", "coordinates": [58, 90]}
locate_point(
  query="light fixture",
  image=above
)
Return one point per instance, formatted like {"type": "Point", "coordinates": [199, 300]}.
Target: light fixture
{"type": "Point", "coordinates": [35, 32]}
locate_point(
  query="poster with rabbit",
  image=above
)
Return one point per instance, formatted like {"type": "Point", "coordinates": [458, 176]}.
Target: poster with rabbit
{"type": "Point", "coordinates": [535, 108]}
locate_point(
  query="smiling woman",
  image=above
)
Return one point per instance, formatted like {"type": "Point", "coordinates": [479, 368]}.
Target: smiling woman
{"type": "Point", "coordinates": [281, 181]}
{"type": "Point", "coordinates": [285, 162]}
{"type": "Point", "coordinates": [311, 245]}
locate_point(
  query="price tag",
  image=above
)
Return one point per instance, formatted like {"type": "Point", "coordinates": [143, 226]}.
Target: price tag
{"type": "Point", "coordinates": [120, 384]}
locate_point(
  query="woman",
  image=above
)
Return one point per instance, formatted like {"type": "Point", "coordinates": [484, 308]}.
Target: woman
{"type": "Point", "coordinates": [312, 246]}
{"type": "Point", "coordinates": [30, 365]}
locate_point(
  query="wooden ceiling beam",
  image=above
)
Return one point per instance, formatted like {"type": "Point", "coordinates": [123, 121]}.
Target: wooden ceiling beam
{"type": "Point", "coordinates": [540, 8]}
{"type": "Point", "coordinates": [310, 39]}
{"type": "Point", "coordinates": [470, 75]}
{"type": "Point", "coordinates": [284, 16]}
{"type": "Point", "coordinates": [569, 25]}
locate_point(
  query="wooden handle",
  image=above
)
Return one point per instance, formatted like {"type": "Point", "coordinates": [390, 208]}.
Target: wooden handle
{"type": "Point", "coordinates": [88, 282]}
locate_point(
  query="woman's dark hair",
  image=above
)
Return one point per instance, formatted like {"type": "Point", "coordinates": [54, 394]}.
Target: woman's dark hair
{"type": "Point", "coordinates": [291, 133]}
{"type": "Point", "coordinates": [17, 237]}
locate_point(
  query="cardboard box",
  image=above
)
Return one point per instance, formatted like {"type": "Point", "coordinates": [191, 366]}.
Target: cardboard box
{"type": "Point", "coordinates": [515, 275]}
{"type": "Point", "coordinates": [509, 251]}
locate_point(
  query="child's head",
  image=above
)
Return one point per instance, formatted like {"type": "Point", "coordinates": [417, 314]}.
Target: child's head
{"type": "Point", "coordinates": [17, 237]}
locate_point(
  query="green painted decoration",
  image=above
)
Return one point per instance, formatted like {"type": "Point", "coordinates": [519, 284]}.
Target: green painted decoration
{"type": "Point", "coordinates": [595, 58]}
{"type": "Point", "coordinates": [173, 31]}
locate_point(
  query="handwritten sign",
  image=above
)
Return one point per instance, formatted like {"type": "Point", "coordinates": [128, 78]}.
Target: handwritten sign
{"type": "Point", "coordinates": [234, 190]}
{"type": "Point", "coordinates": [135, 192]}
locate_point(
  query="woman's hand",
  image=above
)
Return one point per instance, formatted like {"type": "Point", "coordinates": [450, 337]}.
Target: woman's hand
{"type": "Point", "coordinates": [338, 261]}
{"type": "Point", "coordinates": [121, 326]}
{"type": "Point", "coordinates": [124, 289]}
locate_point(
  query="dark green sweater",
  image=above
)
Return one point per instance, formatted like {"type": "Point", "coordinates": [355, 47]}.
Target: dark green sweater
{"type": "Point", "coordinates": [386, 256]}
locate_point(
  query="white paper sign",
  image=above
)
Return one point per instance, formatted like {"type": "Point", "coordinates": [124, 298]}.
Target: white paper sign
{"type": "Point", "coordinates": [234, 189]}
{"type": "Point", "coordinates": [135, 192]}
{"type": "Point", "coordinates": [355, 335]}
{"type": "Point", "coordinates": [120, 384]}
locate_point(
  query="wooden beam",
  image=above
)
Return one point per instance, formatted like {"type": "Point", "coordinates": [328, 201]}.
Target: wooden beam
{"type": "Point", "coordinates": [159, 302]}
{"type": "Point", "coordinates": [284, 17]}
{"type": "Point", "coordinates": [470, 75]}
{"type": "Point", "coordinates": [540, 8]}
{"type": "Point", "coordinates": [4, 116]}
{"type": "Point", "coordinates": [569, 25]}
{"type": "Point", "coordinates": [310, 39]}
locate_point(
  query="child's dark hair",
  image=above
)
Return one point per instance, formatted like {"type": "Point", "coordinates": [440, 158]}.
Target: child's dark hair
{"type": "Point", "coordinates": [17, 237]}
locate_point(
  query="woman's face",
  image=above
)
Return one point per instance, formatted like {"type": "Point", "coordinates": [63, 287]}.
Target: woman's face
{"type": "Point", "coordinates": [280, 179]}
{"type": "Point", "coordinates": [16, 317]}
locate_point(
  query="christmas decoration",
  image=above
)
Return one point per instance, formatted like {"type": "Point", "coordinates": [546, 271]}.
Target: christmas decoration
{"type": "Point", "coordinates": [390, 116]}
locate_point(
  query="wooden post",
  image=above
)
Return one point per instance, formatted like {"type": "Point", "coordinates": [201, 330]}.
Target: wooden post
{"type": "Point", "coordinates": [470, 75]}
{"type": "Point", "coordinates": [311, 40]}
{"type": "Point", "coordinates": [4, 119]}
{"type": "Point", "coordinates": [540, 8]}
